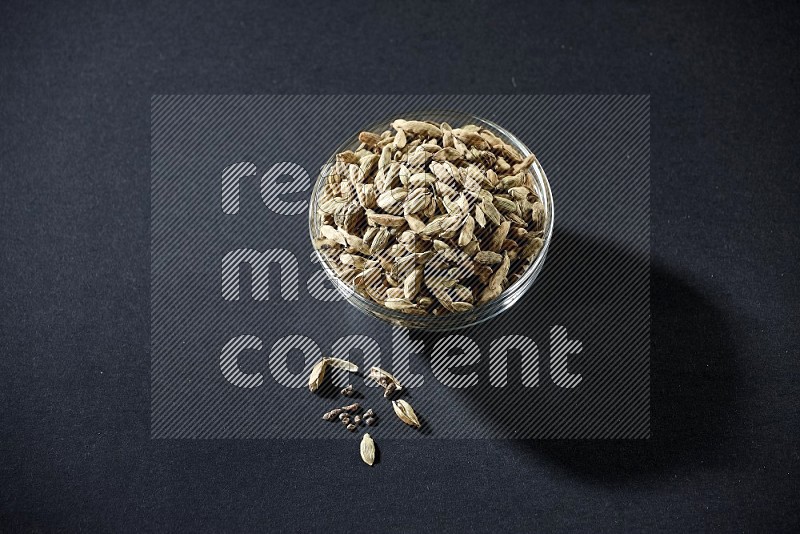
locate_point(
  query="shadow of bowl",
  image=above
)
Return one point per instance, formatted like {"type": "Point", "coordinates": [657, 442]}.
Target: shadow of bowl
{"type": "Point", "coordinates": [691, 374]}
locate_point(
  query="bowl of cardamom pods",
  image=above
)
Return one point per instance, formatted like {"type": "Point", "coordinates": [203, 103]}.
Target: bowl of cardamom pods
{"type": "Point", "coordinates": [433, 220]}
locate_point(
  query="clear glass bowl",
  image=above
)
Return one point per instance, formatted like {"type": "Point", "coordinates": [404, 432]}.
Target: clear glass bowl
{"type": "Point", "coordinates": [449, 321]}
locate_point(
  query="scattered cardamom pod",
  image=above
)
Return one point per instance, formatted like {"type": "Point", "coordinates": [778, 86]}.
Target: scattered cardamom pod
{"type": "Point", "coordinates": [342, 364]}
{"type": "Point", "coordinates": [318, 371]}
{"type": "Point", "coordinates": [383, 378]}
{"type": "Point", "coordinates": [406, 413]}
{"type": "Point", "coordinates": [317, 374]}
{"type": "Point", "coordinates": [368, 449]}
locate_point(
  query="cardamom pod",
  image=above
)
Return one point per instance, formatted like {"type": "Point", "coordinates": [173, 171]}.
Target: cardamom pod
{"type": "Point", "coordinates": [317, 374]}
{"type": "Point", "coordinates": [406, 413]}
{"type": "Point", "coordinates": [383, 378]}
{"type": "Point", "coordinates": [342, 364]}
{"type": "Point", "coordinates": [318, 371]}
{"type": "Point", "coordinates": [368, 449]}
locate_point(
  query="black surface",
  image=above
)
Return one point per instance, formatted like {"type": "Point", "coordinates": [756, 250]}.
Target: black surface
{"type": "Point", "coordinates": [76, 80]}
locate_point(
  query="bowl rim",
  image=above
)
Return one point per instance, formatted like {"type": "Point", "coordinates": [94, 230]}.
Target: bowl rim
{"type": "Point", "coordinates": [450, 321]}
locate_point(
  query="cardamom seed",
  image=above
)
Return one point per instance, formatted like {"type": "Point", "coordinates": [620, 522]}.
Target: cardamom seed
{"type": "Point", "coordinates": [351, 408]}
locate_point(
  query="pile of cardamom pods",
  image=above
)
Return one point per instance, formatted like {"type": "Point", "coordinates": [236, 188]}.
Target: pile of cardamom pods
{"type": "Point", "coordinates": [430, 219]}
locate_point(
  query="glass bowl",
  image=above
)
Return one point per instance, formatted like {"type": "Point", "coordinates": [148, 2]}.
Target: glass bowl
{"type": "Point", "coordinates": [456, 320]}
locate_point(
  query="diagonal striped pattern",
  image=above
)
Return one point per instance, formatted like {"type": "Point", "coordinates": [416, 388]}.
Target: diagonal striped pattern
{"type": "Point", "coordinates": [569, 360]}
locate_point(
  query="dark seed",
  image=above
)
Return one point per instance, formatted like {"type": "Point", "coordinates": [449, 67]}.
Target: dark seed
{"type": "Point", "coordinates": [389, 390]}
{"type": "Point", "coordinates": [351, 427]}
{"type": "Point", "coordinates": [357, 419]}
{"type": "Point", "coordinates": [347, 391]}
{"type": "Point", "coordinates": [352, 408]}
{"type": "Point", "coordinates": [369, 413]}
{"type": "Point", "coordinates": [370, 421]}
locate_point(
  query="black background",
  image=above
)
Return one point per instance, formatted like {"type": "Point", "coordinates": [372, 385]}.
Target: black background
{"type": "Point", "coordinates": [76, 81]}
